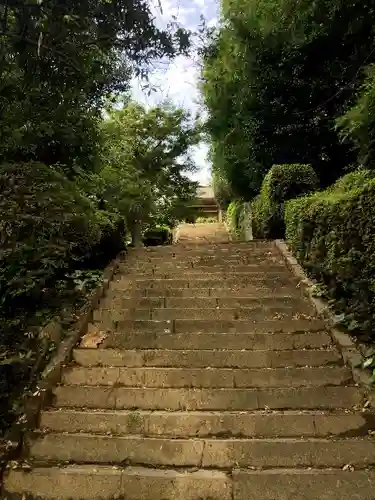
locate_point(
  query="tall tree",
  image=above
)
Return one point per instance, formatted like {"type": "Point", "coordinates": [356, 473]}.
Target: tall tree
{"type": "Point", "coordinates": [276, 75]}
{"type": "Point", "coordinates": [58, 61]}
{"type": "Point", "coordinates": [147, 159]}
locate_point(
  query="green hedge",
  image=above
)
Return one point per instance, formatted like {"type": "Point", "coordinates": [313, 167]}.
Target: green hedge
{"type": "Point", "coordinates": [282, 183]}
{"type": "Point", "coordinates": [332, 234]}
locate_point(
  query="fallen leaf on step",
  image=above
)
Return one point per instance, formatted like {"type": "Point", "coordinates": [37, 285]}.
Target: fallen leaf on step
{"type": "Point", "coordinates": [93, 337]}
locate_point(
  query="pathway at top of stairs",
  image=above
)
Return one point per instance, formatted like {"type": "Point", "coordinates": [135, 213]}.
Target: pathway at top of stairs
{"type": "Point", "coordinates": [215, 382]}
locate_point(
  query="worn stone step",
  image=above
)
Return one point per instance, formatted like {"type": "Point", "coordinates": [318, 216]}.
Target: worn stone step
{"type": "Point", "coordinates": [303, 485]}
{"type": "Point", "coordinates": [238, 276]}
{"type": "Point", "coordinates": [259, 293]}
{"type": "Point", "coordinates": [214, 264]}
{"type": "Point", "coordinates": [251, 341]}
{"type": "Point", "coordinates": [304, 398]}
{"type": "Point", "coordinates": [254, 313]}
{"type": "Point", "coordinates": [204, 302]}
{"type": "Point", "coordinates": [206, 424]}
{"type": "Point", "coordinates": [130, 450]}
{"type": "Point", "coordinates": [289, 453]}
{"type": "Point", "coordinates": [94, 482]}
{"type": "Point", "coordinates": [210, 248]}
{"type": "Point", "coordinates": [206, 453]}
{"type": "Point", "coordinates": [248, 270]}
{"type": "Point", "coordinates": [209, 255]}
{"type": "Point", "coordinates": [204, 358]}
{"type": "Point", "coordinates": [211, 282]}
{"type": "Point", "coordinates": [296, 324]}
{"type": "Point", "coordinates": [206, 377]}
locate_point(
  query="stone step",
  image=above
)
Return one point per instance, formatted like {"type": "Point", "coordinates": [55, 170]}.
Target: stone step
{"type": "Point", "coordinates": [259, 293]}
{"type": "Point", "coordinates": [207, 453]}
{"type": "Point", "coordinates": [106, 483]}
{"type": "Point", "coordinates": [296, 324]}
{"type": "Point", "coordinates": [204, 302]}
{"type": "Point", "coordinates": [213, 263]}
{"type": "Point", "coordinates": [250, 341]}
{"type": "Point", "coordinates": [303, 485]}
{"type": "Point", "coordinates": [238, 275]}
{"type": "Point", "coordinates": [209, 248]}
{"type": "Point", "coordinates": [225, 269]}
{"type": "Point", "coordinates": [206, 424]}
{"type": "Point", "coordinates": [254, 313]}
{"type": "Point", "coordinates": [121, 398]}
{"type": "Point", "coordinates": [136, 483]}
{"type": "Point", "coordinates": [206, 377]}
{"type": "Point", "coordinates": [210, 282]}
{"type": "Point", "coordinates": [205, 358]}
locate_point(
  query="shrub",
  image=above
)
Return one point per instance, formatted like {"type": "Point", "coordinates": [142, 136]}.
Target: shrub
{"type": "Point", "coordinates": [238, 219]}
{"type": "Point", "coordinates": [282, 183]}
{"type": "Point", "coordinates": [256, 216]}
{"type": "Point", "coordinates": [47, 229]}
{"type": "Point", "coordinates": [233, 216]}
{"type": "Point", "coordinates": [332, 233]}
{"type": "Point", "coordinates": [157, 236]}
{"type": "Point", "coordinates": [357, 179]}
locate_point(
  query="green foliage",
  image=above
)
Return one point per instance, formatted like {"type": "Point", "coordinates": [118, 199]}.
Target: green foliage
{"type": "Point", "coordinates": [282, 183]}
{"type": "Point", "coordinates": [237, 216]}
{"type": "Point", "coordinates": [47, 228]}
{"type": "Point", "coordinates": [157, 236]}
{"type": "Point", "coordinates": [233, 216]}
{"type": "Point", "coordinates": [270, 100]}
{"type": "Point", "coordinates": [146, 161]}
{"type": "Point", "coordinates": [68, 181]}
{"type": "Point", "coordinates": [223, 193]}
{"type": "Point", "coordinates": [357, 179]}
{"type": "Point", "coordinates": [358, 123]}
{"type": "Point", "coordinates": [332, 233]}
{"type": "Point", "coordinates": [58, 63]}
{"type": "Point", "coordinates": [206, 220]}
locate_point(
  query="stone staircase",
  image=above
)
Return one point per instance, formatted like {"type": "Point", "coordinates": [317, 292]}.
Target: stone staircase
{"type": "Point", "coordinates": [215, 382]}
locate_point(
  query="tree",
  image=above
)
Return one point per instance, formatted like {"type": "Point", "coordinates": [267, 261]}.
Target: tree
{"type": "Point", "coordinates": [357, 125]}
{"type": "Point", "coordinates": [276, 76]}
{"type": "Point", "coordinates": [58, 61]}
{"type": "Point", "coordinates": [146, 154]}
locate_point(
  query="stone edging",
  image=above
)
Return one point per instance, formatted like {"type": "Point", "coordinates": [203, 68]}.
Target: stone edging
{"type": "Point", "coordinates": [351, 351]}
{"type": "Point", "coordinates": [51, 375]}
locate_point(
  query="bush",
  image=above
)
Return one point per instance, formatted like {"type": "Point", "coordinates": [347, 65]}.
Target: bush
{"type": "Point", "coordinates": [332, 233]}
{"type": "Point", "coordinates": [51, 239]}
{"type": "Point", "coordinates": [47, 229]}
{"type": "Point", "coordinates": [233, 216]}
{"type": "Point", "coordinates": [256, 216]}
{"type": "Point", "coordinates": [238, 219]}
{"type": "Point", "coordinates": [357, 179]}
{"type": "Point", "coordinates": [157, 236]}
{"type": "Point", "coordinates": [282, 183]}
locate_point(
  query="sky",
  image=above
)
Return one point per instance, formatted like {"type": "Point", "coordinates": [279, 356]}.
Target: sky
{"type": "Point", "coordinates": [177, 80]}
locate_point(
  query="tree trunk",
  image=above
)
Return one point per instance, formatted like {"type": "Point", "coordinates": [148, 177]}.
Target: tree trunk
{"type": "Point", "coordinates": [136, 234]}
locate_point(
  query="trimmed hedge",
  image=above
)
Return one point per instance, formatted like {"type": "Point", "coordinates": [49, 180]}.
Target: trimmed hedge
{"type": "Point", "coordinates": [332, 234]}
{"type": "Point", "coordinates": [282, 183]}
